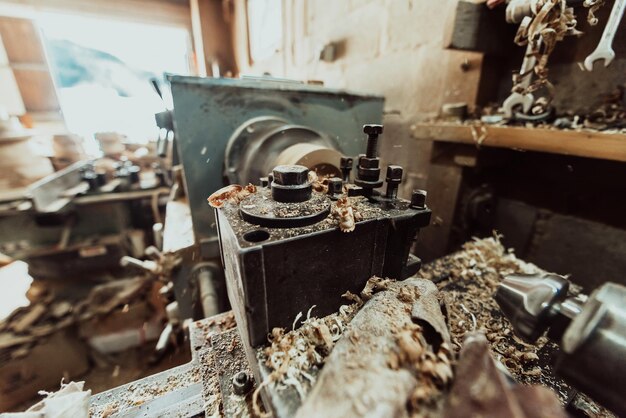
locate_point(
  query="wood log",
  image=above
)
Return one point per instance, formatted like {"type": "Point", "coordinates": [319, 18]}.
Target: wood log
{"type": "Point", "coordinates": [362, 376]}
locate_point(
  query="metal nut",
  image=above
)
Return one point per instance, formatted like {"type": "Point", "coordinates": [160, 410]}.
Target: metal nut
{"type": "Point", "coordinates": [290, 175]}
{"type": "Point", "coordinates": [335, 186]}
{"type": "Point", "coordinates": [366, 162]}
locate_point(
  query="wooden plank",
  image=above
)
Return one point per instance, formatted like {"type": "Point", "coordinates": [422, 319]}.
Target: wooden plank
{"type": "Point", "coordinates": [21, 41]}
{"type": "Point", "coordinates": [37, 88]}
{"type": "Point", "coordinates": [178, 231]}
{"type": "Point", "coordinates": [162, 12]}
{"type": "Point", "coordinates": [590, 144]}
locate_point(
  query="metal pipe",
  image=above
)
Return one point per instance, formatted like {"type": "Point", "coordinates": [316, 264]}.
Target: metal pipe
{"type": "Point", "coordinates": [208, 293]}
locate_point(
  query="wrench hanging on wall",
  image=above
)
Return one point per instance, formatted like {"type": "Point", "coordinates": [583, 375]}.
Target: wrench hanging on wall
{"type": "Point", "coordinates": [604, 50]}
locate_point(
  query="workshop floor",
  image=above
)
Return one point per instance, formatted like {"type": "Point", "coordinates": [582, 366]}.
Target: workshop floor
{"type": "Point", "coordinates": [115, 370]}
{"type": "Point", "coordinates": [106, 371]}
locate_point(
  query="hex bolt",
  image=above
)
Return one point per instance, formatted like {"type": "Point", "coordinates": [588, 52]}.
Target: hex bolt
{"type": "Point", "coordinates": [372, 132]}
{"type": "Point", "coordinates": [291, 184]}
{"type": "Point", "coordinates": [335, 186]}
{"type": "Point", "coordinates": [418, 199]}
{"type": "Point", "coordinates": [345, 165]}
{"type": "Point", "coordinates": [242, 383]}
{"type": "Point", "coordinates": [291, 175]}
{"type": "Point", "coordinates": [394, 178]}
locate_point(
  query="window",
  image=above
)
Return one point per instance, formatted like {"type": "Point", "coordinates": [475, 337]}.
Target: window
{"type": "Point", "coordinates": [265, 28]}
{"type": "Point", "coordinates": [102, 70]}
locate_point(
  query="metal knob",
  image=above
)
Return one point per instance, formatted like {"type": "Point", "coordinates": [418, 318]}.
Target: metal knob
{"type": "Point", "coordinates": [528, 302]}
{"type": "Point", "coordinates": [418, 199]}
{"type": "Point", "coordinates": [291, 184]}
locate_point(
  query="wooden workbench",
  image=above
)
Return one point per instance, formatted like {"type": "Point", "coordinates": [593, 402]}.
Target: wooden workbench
{"type": "Point", "coordinates": [584, 143]}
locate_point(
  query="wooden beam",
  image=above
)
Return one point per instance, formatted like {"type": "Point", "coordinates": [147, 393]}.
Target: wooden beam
{"type": "Point", "coordinates": [21, 41]}
{"type": "Point", "coordinates": [590, 144]}
{"type": "Point", "coordinates": [162, 12]}
{"type": "Point", "coordinates": [216, 24]}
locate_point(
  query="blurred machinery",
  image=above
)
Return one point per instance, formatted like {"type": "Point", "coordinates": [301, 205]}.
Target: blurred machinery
{"type": "Point", "coordinates": [77, 223]}
{"type": "Point", "coordinates": [286, 246]}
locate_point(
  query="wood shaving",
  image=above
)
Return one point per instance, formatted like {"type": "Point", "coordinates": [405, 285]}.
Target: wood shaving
{"type": "Point", "coordinates": [348, 216]}
{"type": "Point", "coordinates": [233, 193]}
{"type": "Point", "coordinates": [593, 6]}
{"type": "Point", "coordinates": [319, 185]}
{"type": "Point", "coordinates": [432, 368]}
{"type": "Point", "coordinates": [467, 281]}
{"type": "Point", "coordinates": [295, 357]}
{"type": "Point", "coordinates": [552, 22]}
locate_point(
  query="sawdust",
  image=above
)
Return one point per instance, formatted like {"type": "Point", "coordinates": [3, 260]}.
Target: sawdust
{"type": "Point", "coordinates": [295, 357]}
{"type": "Point", "coordinates": [467, 281]}
{"type": "Point", "coordinates": [346, 214]}
{"type": "Point", "coordinates": [432, 367]}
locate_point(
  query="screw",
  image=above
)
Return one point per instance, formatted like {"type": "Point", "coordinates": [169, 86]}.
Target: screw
{"type": "Point", "coordinates": [345, 165]}
{"type": "Point", "coordinates": [418, 199]}
{"type": "Point", "coordinates": [394, 178]}
{"type": "Point", "coordinates": [291, 175]}
{"type": "Point", "coordinates": [241, 383]}
{"type": "Point", "coordinates": [372, 132]}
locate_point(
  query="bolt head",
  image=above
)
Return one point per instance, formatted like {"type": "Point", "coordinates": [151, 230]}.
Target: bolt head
{"type": "Point", "coordinates": [346, 162]}
{"type": "Point", "coordinates": [291, 175]}
{"type": "Point", "coordinates": [394, 172]}
{"type": "Point", "coordinates": [335, 186]}
{"type": "Point", "coordinates": [373, 129]}
{"type": "Point", "coordinates": [241, 383]}
{"type": "Point", "coordinates": [418, 199]}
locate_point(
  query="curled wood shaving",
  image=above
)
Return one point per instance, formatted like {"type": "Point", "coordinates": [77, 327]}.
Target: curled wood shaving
{"type": "Point", "coordinates": [319, 185]}
{"type": "Point", "coordinates": [593, 6]}
{"type": "Point", "coordinates": [551, 23]}
{"type": "Point", "coordinates": [231, 194]}
{"type": "Point", "coordinates": [479, 133]}
{"type": "Point", "coordinates": [348, 216]}
{"type": "Point", "coordinates": [294, 357]}
{"type": "Point", "coordinates": [433, 369]}
{"type": "Point", "coordinates": [374, 285]}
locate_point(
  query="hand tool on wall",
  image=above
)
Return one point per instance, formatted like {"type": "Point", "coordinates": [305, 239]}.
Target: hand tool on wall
{"type": "Point", "coordinates": [604, 50]}
{"type": "Point", "coordinates": [519, 97]}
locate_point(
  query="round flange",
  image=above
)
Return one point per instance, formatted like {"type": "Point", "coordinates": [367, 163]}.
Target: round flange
{"type": "Point", "coordinates": [260, 209]}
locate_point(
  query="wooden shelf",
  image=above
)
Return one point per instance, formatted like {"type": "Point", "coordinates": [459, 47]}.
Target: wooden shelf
{"type": "Point", "coordinates": [590, 144]}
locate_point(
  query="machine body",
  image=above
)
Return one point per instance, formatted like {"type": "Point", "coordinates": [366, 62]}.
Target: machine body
{"type": "Point", "coordinates": [591, 331]}
{"type": "Point", "coordinates": [236, 130]}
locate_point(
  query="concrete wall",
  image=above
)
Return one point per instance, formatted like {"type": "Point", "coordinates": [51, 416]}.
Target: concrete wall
{"type": "Point", "coordinates": [388, 47]}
